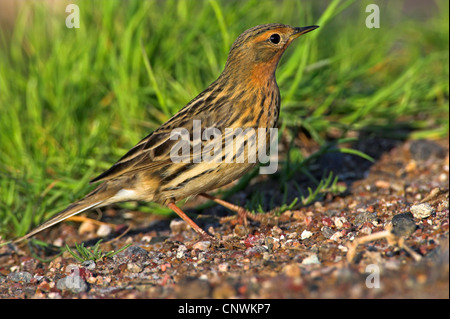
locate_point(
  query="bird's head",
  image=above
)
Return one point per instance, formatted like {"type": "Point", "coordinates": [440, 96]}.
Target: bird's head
{"type": "Point", "coordinates": [258, 50]}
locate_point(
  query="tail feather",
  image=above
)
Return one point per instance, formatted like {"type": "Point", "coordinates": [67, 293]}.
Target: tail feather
{"type": "Point", "coordinates": [73, 209]}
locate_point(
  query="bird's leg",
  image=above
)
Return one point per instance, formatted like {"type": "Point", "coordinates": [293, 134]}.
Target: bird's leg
{"type": "Point", "coordinates": [190, 222]}
{"type": "Point", "coordinates": [242, 213]}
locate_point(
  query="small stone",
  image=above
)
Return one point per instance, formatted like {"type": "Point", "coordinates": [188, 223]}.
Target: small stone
{"type": "Point", "coordinates": [403, 224]}
{"type": "Point", "coordinates": [292, 235]}
{"type": "Point", "coordinates": [240, 231]}
{"type": "Point", "coordinates": [202, 245]}
{"type": "Point", "coordinates": [306, 234]}
{"type": "Point", "coordinates": [311, 260]}
{"type": "Point", "coordinates": [21, 276]}
{"type": "Point", "coordinates": [44, 286]}
{"type": "Point", "coordinates": [104, 230]}
{"type": "Point", "coordinates": [135, 252]}
{"type": "Point", "coordinates": [54, 295]}
{"type": "Point", "coordinates": [89, 264]}
{"type": "Point", "coordinates": [255, 250]}
{"type": "Point", "coordinates": [363, 217]}
{"type": "Point", "coordinates": [326, 221]}
{"type": "Point", "coordinates": [58, 242]}
{"type": "Point", "coordinates": [181, 250]}
{"type": "Point", "coordinates": [223, 267]}
{"type": "Point", "coordinates": [336, 236]}
{"type": "Point", "coordinates": [276, 231]}
{"type": "Point", "coordinates": [269, 243]}
{"type": "Point", "coordinates": [134, 267]}
{"type": "Point", "coordinates": [366, 230]}
{"type": "Point", "coordinates": [177, 226]}
{"type": "Point", "coordinates": [339, 222]}
{"type": "Point", "coordinates": [327, 232]}
{"type": "Point", "coordinates": [423, 210]}
{"type": "Point", "coordinates": [73, 283]}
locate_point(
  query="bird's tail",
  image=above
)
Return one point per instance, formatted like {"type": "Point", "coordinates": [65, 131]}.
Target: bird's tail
{"type": "Point", "coordinates": [96, 198]}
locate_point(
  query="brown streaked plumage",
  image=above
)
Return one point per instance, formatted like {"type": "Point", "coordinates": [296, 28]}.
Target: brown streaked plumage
{"type": "Point", "coordinates": [244, 96]}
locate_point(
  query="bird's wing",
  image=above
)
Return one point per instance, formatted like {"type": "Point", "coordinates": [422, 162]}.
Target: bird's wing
{"type": "Point", "coordinates": [153, 152]}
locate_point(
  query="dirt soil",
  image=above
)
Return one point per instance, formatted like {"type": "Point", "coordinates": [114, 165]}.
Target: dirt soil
{"type": "Point", "coordinates": [311, 252]}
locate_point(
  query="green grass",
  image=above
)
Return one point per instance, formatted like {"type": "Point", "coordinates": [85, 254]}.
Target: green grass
{"type": "Point", "coordinates": [72, 101]}
{"type": "Point", "coordinates": [95, 253]}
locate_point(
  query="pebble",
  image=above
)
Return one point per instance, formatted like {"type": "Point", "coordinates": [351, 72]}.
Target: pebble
{"type": "Point", "coordinates": [311, 260]}
{"type": "Point", "coordinates": [177, 226]}
{"type": "Point", "coordinates": [58, 242]}
{"type": "Point", "coordinates": [306, 234]}
{"type": "Point", "coordinates": [54, 295]}
{"type": "Point", "coordinates": [21, 276]}
{"type": "Point", "coordinates": [240, 230]}
{"type": "Point", "coordinates": [339, 222]}
{"type": "Point", "coordinates": [292, 235]}
{"type": "Point", "coordinates": [327, 232]}
{"type": "Point", "coordinates": [134, 267]}
{"type": "Point", "coordinates": [104, 230]}
{"type": "Point", "coordinates": [423, 210]}
{"type": "Point", "coordinates": [366, 230]}
{"type": "Point", "coordinates": [181, 250]}
{"type": "Point", "coordinates": [73, 282]}
{"type": "Point", "coordinates": [89, 264]}
{"type": "Point", "coordinates": [223, 267]}
{"type": "Point", "coordinates": [276, 231]}
{"type": "Point", "coordinates": [403, 224]}
{"type": "Point", "coordinates": [255, 250]}
{"type": "Point", "coordinates": [268, 241]}
{"type": "Point", "coordinates": [363, 217]}
{"type": "Point", "coordinates": [136, 251]}
{"type": "Point", "coordinates": [202, 245]}
{"type": "Point", "coordinates": [336, 236]}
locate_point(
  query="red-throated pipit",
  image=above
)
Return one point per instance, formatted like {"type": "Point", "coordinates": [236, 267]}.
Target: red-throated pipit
{"type": "Point", "coordinates": [244, 96]}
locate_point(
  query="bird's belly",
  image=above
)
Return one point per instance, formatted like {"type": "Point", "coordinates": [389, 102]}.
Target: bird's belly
{"type": "Point", "coordinates": [200, 178]}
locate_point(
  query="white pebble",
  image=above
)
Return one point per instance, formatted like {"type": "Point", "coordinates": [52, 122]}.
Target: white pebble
{"type": "Point", "coordinates": [104, 230]}
{"type": "Point", "coordinates": [336, 236]}
{"type": "Point", "coordinates": [202, 245]}
{"type": "Point", "coordinates": [305, 234]}
{"type": "Point", "coordinates": [423, 210]}
{"type": "Point", "coordinates": [313, 259]}
{"type": "Point", "coordinates": [339, 222]}
{"type": "Point", "coordinates": [181, 250]}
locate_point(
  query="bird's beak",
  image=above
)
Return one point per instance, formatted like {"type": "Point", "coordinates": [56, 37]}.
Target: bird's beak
{"type": "Point", "coordinates": [302, 30]}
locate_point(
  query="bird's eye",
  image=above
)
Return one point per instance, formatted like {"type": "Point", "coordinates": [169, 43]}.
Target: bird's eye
{"type": "Point", "coordinates": [275, 38]}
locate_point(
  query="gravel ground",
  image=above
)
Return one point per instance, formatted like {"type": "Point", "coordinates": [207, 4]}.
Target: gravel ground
{"type": "Point", "coordinates": [311, 252]}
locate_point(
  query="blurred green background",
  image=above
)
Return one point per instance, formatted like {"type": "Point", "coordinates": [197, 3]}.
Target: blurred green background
{"type": "Point", "coordinates": [72, 101]}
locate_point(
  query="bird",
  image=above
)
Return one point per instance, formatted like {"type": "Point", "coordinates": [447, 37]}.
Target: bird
{"type": "Point", "coordinates": [245, 95]}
